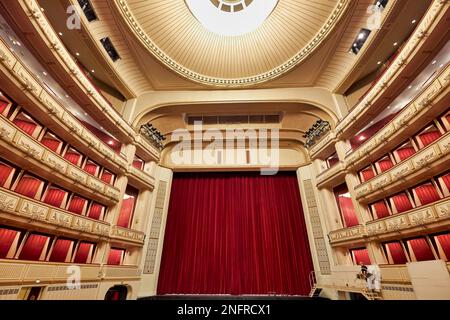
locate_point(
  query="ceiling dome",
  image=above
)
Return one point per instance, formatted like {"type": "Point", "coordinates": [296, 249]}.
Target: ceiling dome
{"type": "Point", "coordinates": [231, 43]}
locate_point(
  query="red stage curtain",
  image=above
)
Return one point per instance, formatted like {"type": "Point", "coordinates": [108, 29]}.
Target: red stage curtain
{"type": "Point", "coordinates": [27, 126]}
{"type": "Point", "coordinates": [444, 241]}
{"type": "Point", "coordinates": [107, 177]}
{"type": "Point", "coordinates": [385, 164]}
{"type": "Point", "coordinates": [397, 252]}
{"type": "Point", "coordinates": [361, 256]}
{"type": "Point", "coordinates": [427, 193]}
{"type": "Point", "coordinates": [428, 138]}
{"type": "Point", "coordinates": [405, 153]}
{"type": "Point", "coordinates": [381, 209]}
{"type": "Point", "coordinates": [91, 168]}
{"type": "Point", "coordinates": [52, 144]}
{"type": "Point", "coordinates": [54, 197]}
{"type": "Point", "coordinates": [96, 210]}
{"type": "Point", "coordinates": [345, 205]}
{"type": "Point", "coordinates": [33, 247]}
{"type": "Point", "coordinates": [402, 202]}
{"type": "Point", "coordinates": [421, 249]}
{"type": "Point", "coordinates": [60, 250]}
{"type": "Point", "coordinates": [77, 204]}
{"type": "Point", "coordinates": [235, 233]}
{"type": "Point", "coordinates": [28, 186]}
{"type": "Point", "coordinates": [6, 240]}
{"type": "Point", "coordinates": [5, 173]}
{"type": "Point", "coordinates": [115, 256]}
{"type": "Point", "coordinates": [83, 251]}
{"type": "Point", "coordinates": [367, 174]}
{"type": "Point", "coordinates": [138, 164]}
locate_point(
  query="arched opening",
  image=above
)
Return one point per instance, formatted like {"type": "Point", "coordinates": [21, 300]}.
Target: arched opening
{"type": "Point", "coordinates": [117, 293]}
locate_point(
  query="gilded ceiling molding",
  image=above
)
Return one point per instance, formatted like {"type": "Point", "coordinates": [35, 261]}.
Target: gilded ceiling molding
{"type": "Point", "coordinates": [303, 54]}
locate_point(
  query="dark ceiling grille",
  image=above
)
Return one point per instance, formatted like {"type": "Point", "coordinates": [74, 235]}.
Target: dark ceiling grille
{"type": "Point", "coordinates": [235, 119]}
{"type": "Point", "coordinates": [88, 10]}
{"type": "Point", "coordinates": [109, 48]}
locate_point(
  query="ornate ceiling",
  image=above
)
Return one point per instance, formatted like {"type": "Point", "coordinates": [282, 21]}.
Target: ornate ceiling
{"type": "Point", "coordinates": [291, 33]}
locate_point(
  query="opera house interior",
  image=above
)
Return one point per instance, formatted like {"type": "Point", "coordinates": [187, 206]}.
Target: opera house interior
{"type": "Point", "coordinates": [230, 148]}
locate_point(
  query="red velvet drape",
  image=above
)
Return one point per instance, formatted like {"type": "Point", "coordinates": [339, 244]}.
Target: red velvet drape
{"type": "Point", "coordinates": [428, 138]}
{"type": "Point", "coordinates": [444, 241]}
{"type": "Point", "coordinates": [107, 177]}
{"type": "Point", "coordinates": [5, 173]}
{"type": "Point", "coordinates": [27, 126]}
{"type": "Point", "coordinates": [361, 256]}
{"type": "Point", "coordinates": [3, 105]}
{"type": "Point", "coordinates": [55, 197]}
{"type": "Point", "coordinates": [427, 193]}
{"type": "Point", "coordinates": [33, 247]}
{"type": "Point", "coordinates": [138, 164]}
{"type": "Point", "coordinates": [345, 205]}
{"type": "Point", "coordinates": [405, 153]}
{"type": "Point", "coordinates": [77, 205]}
{"type": "Point", "coordinates": [381, 210]}
{"type": "Point", "coordinates": [83, 251]}
{"type": "Point", "coordinates": [91, 168]}
{"type": "Point", "coordinates": [73, 157]}
{"type": "Point", "coordinates": [52, 144]}
{"type": "Point", "coordinates": [60, 250]}
{"type": "Point", "coordinates": [6, 240]}
{"type": "Point", "coordinates": [28, 186]}
{"type": "Point", "coordinates": [367, 174]}
{"type": "Point", "coordinates": [385, 164]}
{"type": "Point", "coordinates": [235, 233]}
{"type": "Point", "coordinates": [115, 256]}
{"type": "Point", "coordinates": [96, 210]}
{"type": "Point", "coordinates": [402, 202]}
{"type": "Point", "coordinates": [127, 209]}
{"type": "Point", "coordinates": [446, 180]}
{"type": "Point", "coordinates": [421, 249]}
{"type": "Point", "coordinates": [397, 252]}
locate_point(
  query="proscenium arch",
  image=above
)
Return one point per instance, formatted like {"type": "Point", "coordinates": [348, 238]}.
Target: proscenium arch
{"type": "Point", "coordinates": [317, 97]}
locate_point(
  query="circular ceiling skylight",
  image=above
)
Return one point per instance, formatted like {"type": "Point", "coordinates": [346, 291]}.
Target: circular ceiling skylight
{"type": "Point", "coordinates": [231, 17]}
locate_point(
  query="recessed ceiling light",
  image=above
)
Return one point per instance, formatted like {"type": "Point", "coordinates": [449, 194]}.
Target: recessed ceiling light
{"type": "Point", "coordinates": [395, 44]}
{"type": "Point", "coordinates": [440, 66]}
{"type": "Point", "coordinates": [85, 113]}
{"type": "Point", "coordinates": [1, 93]}
{"type": "Point", "coordinates": [110, 142]}
{"type": "Point", "coordinates": [44, 73]}
{"type": "Point", "coordinates": [93, 71]}
{"type": "Point", "coordinates": [78, 54]}
{"type": "Point", "coordinates": [60, 33]}
{"type": "Point", "coordinates": [42, 9]}
{"type": "Point", "coordinates": [389, 107]}
{"type": "Point", "coordinates": [414, 21]}
{"type": "Point", "coordinates": [66, 95]}
{"type": "Point", "coordinates": [101, 128]}
{"type": "Point", "coordinates": [361, 138]}
{"type": "Point", "coordinates": [361, 36]}
{"type": "Point", "coordinates": [379, 62]}
{"type": "Point", "coordinates": [434, 62]}
{"type": "Point", "coordinates": [409, 87]}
